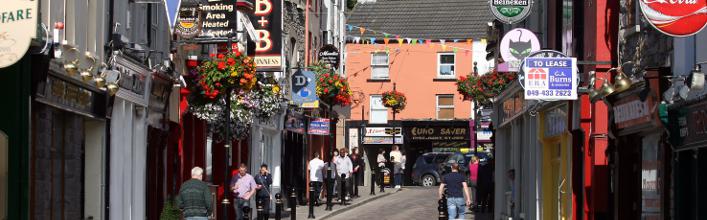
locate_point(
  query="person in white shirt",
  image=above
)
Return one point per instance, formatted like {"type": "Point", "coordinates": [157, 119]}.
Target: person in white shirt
{"type": "Point", "coordinates": [396, 157]}
{"type": "Point", "coordinates": [381, 164]}
{"type": "Point", "coordinates": [316, 167]}
{"type": "Point", "coordinates": [343, 166]}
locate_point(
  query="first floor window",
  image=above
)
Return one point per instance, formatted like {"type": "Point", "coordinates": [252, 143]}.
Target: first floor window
{"type": "Point", "coordinates": [379, 65]}
{"type": "Point", "coordinates": [445, 65]}
{"type": "Point", "coordinates": [378, 113]}
{"type": "Point", "coordinates": [445, 106]}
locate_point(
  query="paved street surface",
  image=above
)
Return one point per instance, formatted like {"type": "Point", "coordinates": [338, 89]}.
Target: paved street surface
{"type": "Point", "coordinates": [320, 213]}
{"type": "Point", "coordinates": [411, 203]}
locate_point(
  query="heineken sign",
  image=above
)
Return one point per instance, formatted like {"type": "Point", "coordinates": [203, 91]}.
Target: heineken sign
{"type": "Point", "coordinates": [18, 25]}
{"type": "Point", "coordinates": [510, 11]}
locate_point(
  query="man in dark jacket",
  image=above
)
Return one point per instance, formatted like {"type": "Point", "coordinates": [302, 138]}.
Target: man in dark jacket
{"type": "Point", "coordinates": [194, 197]}
{"type": "Point", "coordinates": [263, 181]}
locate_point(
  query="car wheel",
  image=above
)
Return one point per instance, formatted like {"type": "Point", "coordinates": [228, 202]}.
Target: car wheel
{"type": "Point", "coordinates": [428, 180]}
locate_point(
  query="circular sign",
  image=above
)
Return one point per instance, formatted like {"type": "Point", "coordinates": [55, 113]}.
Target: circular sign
{"type": "Point", "coordinates": [678, 18]}
{"type": "Point", "coordinates": [329, 54]}
{"type": "Point", "coordinates": [518, 44]}
{"type": "Point", "coordinates": [510, 11]}
{"type": "Point", "coordinates": [17, 28]}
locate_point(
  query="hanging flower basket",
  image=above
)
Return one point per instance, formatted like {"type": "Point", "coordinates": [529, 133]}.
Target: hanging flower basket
{"type": "Point", "coordinates": [394, 100]}
{"type": "Point", "coordinates": [331, 88]}
{"type": "Point", "coordinates": [485, 87]}
{"type": "Point", "coordinates": [223, 71]}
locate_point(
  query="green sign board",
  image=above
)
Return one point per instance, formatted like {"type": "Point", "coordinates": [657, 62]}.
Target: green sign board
{"type": "Point", "coordinates": [510, 11]}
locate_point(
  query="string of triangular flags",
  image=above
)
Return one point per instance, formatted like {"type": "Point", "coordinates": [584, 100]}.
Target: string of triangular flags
{"type": "Point", "coordinates": [401, 40]}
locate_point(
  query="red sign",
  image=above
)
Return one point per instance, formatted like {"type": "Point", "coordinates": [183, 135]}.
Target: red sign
{"type": "Point", "coordinates": [678, 18]}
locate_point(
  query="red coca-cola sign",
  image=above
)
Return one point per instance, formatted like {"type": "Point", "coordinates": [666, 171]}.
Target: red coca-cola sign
{"type": "Point", "coordinates": [678, 18]}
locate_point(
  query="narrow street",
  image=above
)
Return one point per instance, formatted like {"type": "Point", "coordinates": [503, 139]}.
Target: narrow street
{"type": "Point", "coordinates": [411, 203]}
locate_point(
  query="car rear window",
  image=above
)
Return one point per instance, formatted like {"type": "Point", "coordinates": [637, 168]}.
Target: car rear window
{"type": "Point", "coordinates": [441, 158]}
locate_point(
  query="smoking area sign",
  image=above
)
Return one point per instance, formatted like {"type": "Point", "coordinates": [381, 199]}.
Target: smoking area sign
{"type": "Point", "coordinates": [550, 79]}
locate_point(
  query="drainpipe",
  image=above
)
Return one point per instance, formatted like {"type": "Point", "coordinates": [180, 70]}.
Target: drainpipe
{"type": "Point", "coordinates": [306, 34]}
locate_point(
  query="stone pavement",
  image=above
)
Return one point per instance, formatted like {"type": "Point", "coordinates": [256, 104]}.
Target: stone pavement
{"type": "Point", "coordinates": [320, 213]}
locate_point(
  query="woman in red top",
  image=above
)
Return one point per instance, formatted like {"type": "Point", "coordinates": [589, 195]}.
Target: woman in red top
{"type": "Point", "coordinates": [473, 175]}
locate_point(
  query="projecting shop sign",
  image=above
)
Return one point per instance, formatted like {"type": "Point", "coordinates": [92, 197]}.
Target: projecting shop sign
{"type": "Point", "coordinates": [550, 78]}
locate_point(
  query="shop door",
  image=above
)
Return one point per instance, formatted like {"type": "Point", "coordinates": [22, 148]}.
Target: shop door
{"type": "Point", "coordinates": [629, 179]}
{"type": "Point", "coordinates": [57, 173]}
{"type": "Point", "coordinates": [3, 175]}
{"type": "Point", "coordinates": [555, 183]}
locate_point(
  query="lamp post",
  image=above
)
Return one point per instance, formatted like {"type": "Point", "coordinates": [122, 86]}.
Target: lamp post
{"type": "Point", "coordinates": [395, 130]}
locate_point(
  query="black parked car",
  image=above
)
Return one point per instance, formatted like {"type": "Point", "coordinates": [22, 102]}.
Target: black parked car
{"type": "Point", "coordinates": [430, 167]}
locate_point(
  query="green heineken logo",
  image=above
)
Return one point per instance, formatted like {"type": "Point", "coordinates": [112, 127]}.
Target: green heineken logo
{"type": "Point", "coordinates": [510, 11]}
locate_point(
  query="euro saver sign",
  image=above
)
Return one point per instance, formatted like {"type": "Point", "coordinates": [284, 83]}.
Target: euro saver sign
{"type": "Point", "coordinates": [678, 18]}
{"type": "Point", "coordinates": [550, 78]}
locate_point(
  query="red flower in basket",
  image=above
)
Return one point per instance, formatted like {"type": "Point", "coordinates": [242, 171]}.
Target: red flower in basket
{"type": "Point", "coordinates": [221, 65]}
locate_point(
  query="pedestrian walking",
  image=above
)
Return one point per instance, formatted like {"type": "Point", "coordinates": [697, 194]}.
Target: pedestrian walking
{"type": "Point", "coordinates": [343, 166]}
{"type": "Point", "coordinates": [359, 165]}
{"type": "Point", "coordinates": [243, 187]}
{"type": "Point", "coordinates": [396, 157]}
{"type": "Point", "coordinates": [263, 181]}
{"type": "Point", "coordinates": [474, 177]}
{"type": "Point", "coordinates": [194, 197]}
{"type": "Point", "coordinates": [316, 167]}
{"type": "Point", "coordinates": [381, 164]}
{"type": "Point", "coordinates": [457, 192]}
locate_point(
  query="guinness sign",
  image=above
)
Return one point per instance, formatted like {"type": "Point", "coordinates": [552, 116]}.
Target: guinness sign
{"type": "Point", "coordinates": [188, 23]}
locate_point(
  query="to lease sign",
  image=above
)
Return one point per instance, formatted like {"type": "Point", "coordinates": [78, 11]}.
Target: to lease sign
{"type": "Point", "coordinates": [18, 22]}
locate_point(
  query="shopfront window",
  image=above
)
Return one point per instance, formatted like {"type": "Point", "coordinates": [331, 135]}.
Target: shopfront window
{"type": "Point", "coordinates": [3, 175]}
{"type": "Point", "coordinates": [651, 176]}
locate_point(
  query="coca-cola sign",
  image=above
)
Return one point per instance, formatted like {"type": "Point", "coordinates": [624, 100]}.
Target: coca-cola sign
{"type": "Point", "coordinates": [678, 18]}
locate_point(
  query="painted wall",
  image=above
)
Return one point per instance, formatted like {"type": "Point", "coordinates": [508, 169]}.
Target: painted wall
{"type": "Point", "coordinates": [414, 69]}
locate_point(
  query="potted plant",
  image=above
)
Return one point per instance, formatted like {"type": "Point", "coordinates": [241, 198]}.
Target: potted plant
{"type": "Point", "coordinates": [484, 88]}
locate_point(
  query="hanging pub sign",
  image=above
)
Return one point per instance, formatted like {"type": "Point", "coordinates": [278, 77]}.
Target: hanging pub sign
{"type": "Point", "coordinates": [303, 87]}
{"type": "Point", "coordinates": [188, 23]}
{"type": "Point", "coordinates": [18, 25]}
{"type": "Point", "coordinates": [677, 18]}
{"type": "Point", "coordinates": [268, 27]}
{"type": "Point", "coordinates": [219, 19]}
{"type": "Point", "coordinates": [328, 54]}
{"type": "Point", "coordinates": [319, 126]}
{"type": "Point", "coordinates": [515, 46]}
{"type": "Point", "coordinates": [688, 125]}
{"type": "Point", "coordinates": [510, 11]}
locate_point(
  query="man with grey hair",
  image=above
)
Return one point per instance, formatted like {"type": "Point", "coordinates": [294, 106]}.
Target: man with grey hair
{"type": "Point", "coordinates": [194, 197]}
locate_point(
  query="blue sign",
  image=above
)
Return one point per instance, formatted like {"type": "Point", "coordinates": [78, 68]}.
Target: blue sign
{"type": "Point", "coordinates": [304, 89]}
{"type": "Point", "coordinates": [319, 126]}
{"type": "Point", "coordinates": [550, 78]}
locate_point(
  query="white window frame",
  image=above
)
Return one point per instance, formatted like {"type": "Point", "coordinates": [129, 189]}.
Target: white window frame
{"type": "Point", "coordinates": [439, 66]}
{"type": "Point", "coordinates": [375, 65]}
{"type": "Point", "coordinates": [438, 107]}
{"type": "Point", "coordinates": [372, 108]}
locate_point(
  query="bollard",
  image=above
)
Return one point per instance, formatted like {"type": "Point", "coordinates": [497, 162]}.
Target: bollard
{"type": "Point", "coordinates": [373, 183]}
{"type": "Point", "coordinates": [259, 208]}
{"type": "Point", "coordinates": [311, 200]}
{"type": "Point", "coordinates": [442, 209]}
{"type": "Point", "coordinates": [343, 189]}
{"type": "Point", "coordinates": [382, 177]}
{"type": "Point", "coordinates": [293, 204]}
{"type": "Point", "coordinates": [329, 189]}
{"type": "Point", "coordinates": [278, 206]}
{"type": "Point", "coordinates": [246, 213]}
